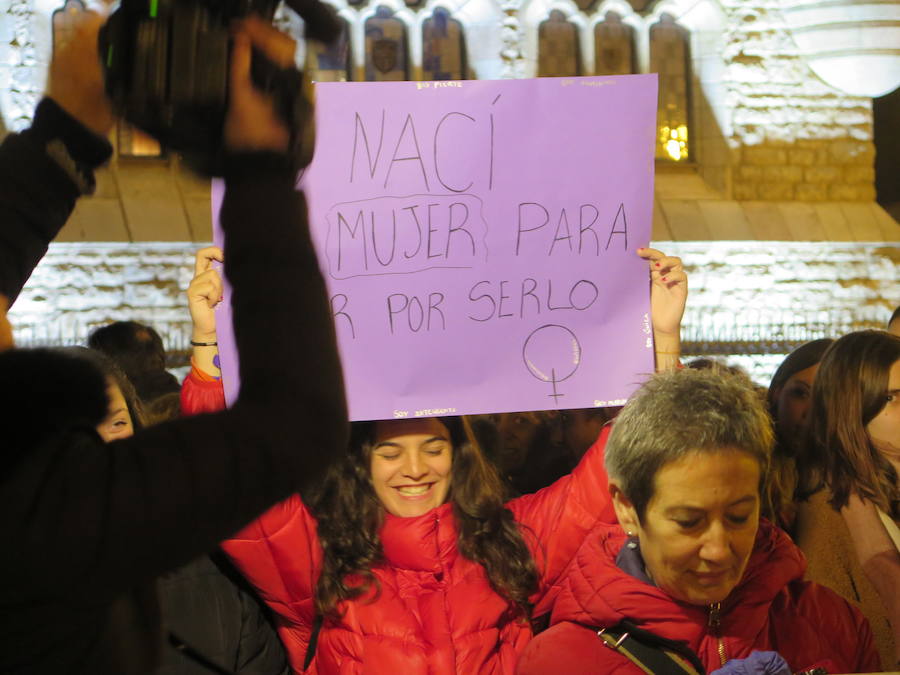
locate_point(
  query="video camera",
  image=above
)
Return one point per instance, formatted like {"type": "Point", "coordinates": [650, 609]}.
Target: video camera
{"type": "Point", "coordinates": [166, 68]}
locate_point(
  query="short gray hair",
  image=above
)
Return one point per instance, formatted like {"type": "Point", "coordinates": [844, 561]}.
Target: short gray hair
{"type": "Point", "coordinates": [675, 413]}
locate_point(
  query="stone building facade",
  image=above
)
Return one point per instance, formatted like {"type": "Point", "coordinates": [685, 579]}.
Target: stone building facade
{"type": "Point", "coordinates": [779, 174]}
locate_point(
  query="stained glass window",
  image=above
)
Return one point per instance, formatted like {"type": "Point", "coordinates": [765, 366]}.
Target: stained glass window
{"type": "Point", "coordinates": [443, 47]}
{"type": "Point", "coordinates": [669, 56]}
{"type": "Point", "coordinates": [387, 50]}
{"type": "Point", "coordinates": [613, 46]}
{"type": "Point", "coordinates": [639, 5]}
{"type": "Point", "coordinates": [330, 63]}
{"type": "Point", "coordinates": [559, 54]}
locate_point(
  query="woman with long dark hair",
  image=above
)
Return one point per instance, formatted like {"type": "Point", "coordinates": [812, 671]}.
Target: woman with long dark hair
{"type": "Point", "coordinates": [407, 559]}
{"type": "Point", "coordinates": [848, 470]}
{"type": "Point", "coordinates": [454, 471]}
{"type": "Point", "coordinates": [789, 397]}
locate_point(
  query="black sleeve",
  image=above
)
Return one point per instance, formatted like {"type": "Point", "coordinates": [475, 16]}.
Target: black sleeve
{"type": "Point", "coordinates": [213, 609]}
{"type": "Point", "coordinates": [260, 651]}
{"type": "Point", "coordinates": [133, 509]}
{"type": "Point", "coordinates": [37, 194]}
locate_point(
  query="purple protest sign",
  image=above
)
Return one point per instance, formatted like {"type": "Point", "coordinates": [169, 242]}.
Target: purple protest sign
{"type": "Point", "coordinates": [478, 239]}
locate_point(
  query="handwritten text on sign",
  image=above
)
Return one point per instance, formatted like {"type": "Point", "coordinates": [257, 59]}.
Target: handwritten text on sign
{"type": "Point", "coordinates": [479, 241]}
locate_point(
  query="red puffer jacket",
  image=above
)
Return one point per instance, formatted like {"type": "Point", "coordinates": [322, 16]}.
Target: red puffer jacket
{"type": "Point", "coordinates": [771, 609]}
{"type": "Point", "coordinates": [436, 612]}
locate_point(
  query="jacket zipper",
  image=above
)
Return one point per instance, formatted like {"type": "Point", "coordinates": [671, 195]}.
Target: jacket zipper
{"type": "Point", "coordinates": [715, 618]}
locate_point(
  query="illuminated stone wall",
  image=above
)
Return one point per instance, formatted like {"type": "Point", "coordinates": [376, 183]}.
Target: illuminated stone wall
{"type": "Point", "coordinates": [23, 61]}
{"type": "Point", "coordinates": [796, 138]}
{"type": "Point", "coordinates": [746, 298]}
{"type": "Point", "coordinates": [80, 286]}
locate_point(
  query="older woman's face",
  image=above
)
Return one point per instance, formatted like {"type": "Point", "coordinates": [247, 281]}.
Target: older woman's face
{"type": "Point", "coordinates": [700, 525]}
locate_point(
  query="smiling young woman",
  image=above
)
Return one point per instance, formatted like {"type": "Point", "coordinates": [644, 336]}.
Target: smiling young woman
{"type": "Point", "coordinates": [410, 465]}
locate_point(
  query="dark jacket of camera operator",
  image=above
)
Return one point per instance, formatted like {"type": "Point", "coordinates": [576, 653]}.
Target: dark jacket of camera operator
{"type": "Point", "coordinates": [212, 608]}
{"type": "Point", "coordinates": [88, 526]}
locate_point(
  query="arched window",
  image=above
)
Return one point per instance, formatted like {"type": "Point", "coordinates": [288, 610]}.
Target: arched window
{"type": "Point", "coordinates": [614, 46]}
{"type": "Point", "coordinates": [639, 5]}
{"type": "Point", "coordinates": [387, 50]}
{"type": "Point", "coordinates": [559, 54]}
{"type": "Point", "coordinates": [330, 63]}
{"type": "Point", "coordinates": [443, 47]}
{"type": "Point", "coordinates": [670, 57]}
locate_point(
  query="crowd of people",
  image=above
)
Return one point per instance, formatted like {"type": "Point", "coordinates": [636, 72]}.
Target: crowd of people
{"type": "Point", "coordinates": [709, 525]}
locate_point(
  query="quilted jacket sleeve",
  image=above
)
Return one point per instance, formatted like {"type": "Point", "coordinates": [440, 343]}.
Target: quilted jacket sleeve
{"type": "Point", "coordinates": [556, 519]}
{"type": "Point", "coordinates": [279, 554]}
{"type": "Point", "coordinates": [201, 396]}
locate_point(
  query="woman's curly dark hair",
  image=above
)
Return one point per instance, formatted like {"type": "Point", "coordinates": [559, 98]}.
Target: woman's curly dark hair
{"type": "Point", "coordinates": [350, 515]}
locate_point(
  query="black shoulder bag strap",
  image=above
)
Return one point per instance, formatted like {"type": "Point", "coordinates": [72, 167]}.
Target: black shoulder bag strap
{"type": "Point", "coordinates": [651, 653]}
{"type": "Point", "coordinates": [313, 641]}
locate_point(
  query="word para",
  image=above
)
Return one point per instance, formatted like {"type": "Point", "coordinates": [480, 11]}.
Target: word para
{"type": "Point", "coordinates": [575, 233]}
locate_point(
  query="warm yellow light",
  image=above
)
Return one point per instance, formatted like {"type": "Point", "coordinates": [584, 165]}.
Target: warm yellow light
{"type": "Point", "coordinates": [673, 149]}
{"type": "Point", "coordinates": [673, 142]}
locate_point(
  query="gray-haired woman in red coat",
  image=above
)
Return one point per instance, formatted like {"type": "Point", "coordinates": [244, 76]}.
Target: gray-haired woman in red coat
{"type": "Point", "coordinates": [691, 568]}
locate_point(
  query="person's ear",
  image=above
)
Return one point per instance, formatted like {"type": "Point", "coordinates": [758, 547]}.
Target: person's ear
{"type": "Point", "coordinates": [625, 511]}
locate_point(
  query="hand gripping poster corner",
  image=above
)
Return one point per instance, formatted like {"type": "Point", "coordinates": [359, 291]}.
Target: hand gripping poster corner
{"type": "Point", "coordinates": [479, 240]}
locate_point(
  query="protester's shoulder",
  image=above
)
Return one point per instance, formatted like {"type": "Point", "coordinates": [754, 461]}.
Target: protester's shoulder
{"type": "Point", "coordinates": [573, 649]}
{"type": "Point", "coordinates": [813, 598]}
{"type": "Point", "coordinates": [824, 612]}
{"type": "Point", "coordinates": [816, 620]}
{"type": "Point", "coordinates": [579, 496]}
{"type": "Point", "coordinates": [284, 520]}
